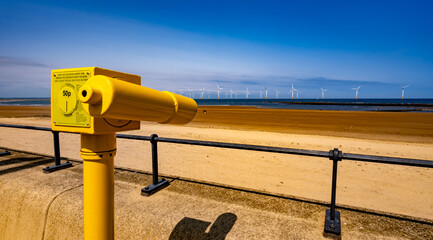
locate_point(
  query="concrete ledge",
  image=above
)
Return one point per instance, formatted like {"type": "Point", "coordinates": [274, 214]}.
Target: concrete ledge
{"type": "Point", "coordinates": [34, 205]}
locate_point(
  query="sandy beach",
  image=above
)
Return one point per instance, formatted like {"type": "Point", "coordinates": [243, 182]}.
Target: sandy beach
{"type": "Point", "coordinates": [394, 189]}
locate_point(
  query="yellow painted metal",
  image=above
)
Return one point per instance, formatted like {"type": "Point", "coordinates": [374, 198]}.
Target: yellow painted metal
{"type": "Point", "coordinates": [65, 107]}
{"type": "Point", "coordinates": [97, 152]}
{"type": "Point", "coordinates": [104, 96]}
{"type": "Point", "coordinates": [98, 103]}
{"type": "Point", "coordinates": [67, 113]}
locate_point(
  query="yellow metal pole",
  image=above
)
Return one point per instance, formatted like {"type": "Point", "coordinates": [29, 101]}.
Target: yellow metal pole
{"type": "Point", "coordinates": [97, 152]}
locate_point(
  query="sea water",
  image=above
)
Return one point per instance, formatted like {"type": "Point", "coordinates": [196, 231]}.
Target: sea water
{"type": "Point", "coordinates": [24, 102]}
{"type": "Point", "coordinates": [418, 105]}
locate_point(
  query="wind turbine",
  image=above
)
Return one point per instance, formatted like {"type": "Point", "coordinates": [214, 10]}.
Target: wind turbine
{"type": "Point", "coordinates": [246, 94]}
{"type": "Point", "coordinates": [292, 90]}
{"type": "Point", "coordinates": [202, 93]}
{"type": "Point", "coordinates": [356, 91]}
{"type": "Point", "coordinates": [219, 90]}
{"type": "Point", "coordinates": [323, 92]}
{"type": "Point", "coordinates": [266, 93]}
{"type": "Point", "coordinates": [402, 90]}
{"type": "Point", "coordinates": [260, 94]}
{"type": "Point", "coordinates": [297, 93]}
{"type": "Point", "coordinates": [231, 94]}
{"type": "Point", "coordinates": [190, 92]}
{"type": "Point", "coordinates": [276, 93]}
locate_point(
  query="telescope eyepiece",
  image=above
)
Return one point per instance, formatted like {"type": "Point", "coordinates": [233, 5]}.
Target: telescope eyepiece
{"type": "Point", "coordinates": [88, 94]}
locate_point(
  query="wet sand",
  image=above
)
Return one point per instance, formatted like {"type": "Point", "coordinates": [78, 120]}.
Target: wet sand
{"type": "Point", "coordinates": [393, 126]}
{"type": "Point", "coordinates": [25, 111]}
{"type": "Point", "coordinates": [388, 188]}
{"type": "Point", "coordinates": [390, 126]}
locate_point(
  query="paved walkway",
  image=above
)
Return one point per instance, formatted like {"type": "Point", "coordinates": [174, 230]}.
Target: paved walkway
{"type": "Point", "coordinates": [34, 205]}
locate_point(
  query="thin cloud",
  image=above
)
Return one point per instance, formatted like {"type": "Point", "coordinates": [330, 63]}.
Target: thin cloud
{"type": "Point", "coordinates": [5, 60]}
{"type": "Point", "coordinates": [223, 81]}
{"type": "Point", "coordinates": [342, 82]}
{"type": "Point", "coordinates": [250, 82]}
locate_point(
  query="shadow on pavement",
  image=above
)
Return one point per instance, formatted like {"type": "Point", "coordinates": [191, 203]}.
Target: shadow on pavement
{"type": "Point", "coordinates": [19, 160]}
{"type": "Point", "coordinates": [194, 229]}
{"type": "Point", "coordinates": [34, 162]}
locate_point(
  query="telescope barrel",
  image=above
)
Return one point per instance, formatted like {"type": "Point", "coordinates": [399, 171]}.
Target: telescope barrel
{"type": "Point", "coordinates": [107, 97]}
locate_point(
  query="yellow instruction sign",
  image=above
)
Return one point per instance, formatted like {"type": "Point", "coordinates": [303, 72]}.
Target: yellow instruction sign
{"type": "Point", "coordinates": [66, 108]}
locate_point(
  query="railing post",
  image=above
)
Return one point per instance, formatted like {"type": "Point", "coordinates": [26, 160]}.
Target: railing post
{"type": "Point", "coordinates": [332, 218]}
{"type": "Point", "coordinates": [57, 157]}
{"type": "Point", "coordinates": [154, 146]}
{"type": "Point", "coordinates": [156, 184]}
{"type": "Point", "coordinates": [56, 147]}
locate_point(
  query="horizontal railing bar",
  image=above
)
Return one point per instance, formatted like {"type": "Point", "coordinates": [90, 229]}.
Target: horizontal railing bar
{"type": "Point", "coordinates": [245, 147]}
{"type": "Point", "coordinates": [346, 156]}
{"type": "Point", "coordinates": [389, 160]}
{"type": "Point", "coordinates": [135, 137]}
{"type": "Point", "coordinates": [25, 127]}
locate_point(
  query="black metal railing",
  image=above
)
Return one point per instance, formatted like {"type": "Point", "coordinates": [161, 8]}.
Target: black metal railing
{"type": "Point", "coordinates": [56, 142]}
{"type": "Point", "coordinates": [332, 217]}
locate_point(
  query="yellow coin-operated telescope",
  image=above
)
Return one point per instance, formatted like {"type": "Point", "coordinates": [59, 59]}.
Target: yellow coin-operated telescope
{"type": "Point", "coordinates": [98, 103]}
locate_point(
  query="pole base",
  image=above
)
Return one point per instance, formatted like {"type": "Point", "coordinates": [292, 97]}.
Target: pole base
{"type": "Point", "coordinates": [54, 168]}
{"type": "Point", "coordinates": [332, 226]}
{"type": "Point", "coordinates": [153, 188]}
{"type": "Point", "coordinates": [4, 153]}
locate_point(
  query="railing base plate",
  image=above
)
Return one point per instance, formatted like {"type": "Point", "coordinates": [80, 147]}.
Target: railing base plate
{"type": "Point", "coordinates": [4, 153]}
{"type": "Point", "coordinates": [332, 226]}
{"type": "Point", "coordinates": [153, 188]}
{"type": "Point", "coordinates": [54, 168]}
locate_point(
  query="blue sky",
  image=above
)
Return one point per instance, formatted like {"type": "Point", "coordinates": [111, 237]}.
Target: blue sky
{"type": "Point", "coordinates": [337, 45]}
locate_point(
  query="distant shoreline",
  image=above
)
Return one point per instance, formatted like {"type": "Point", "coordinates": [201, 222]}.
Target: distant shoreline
{"type": "Point", "coordinates": [21, 99]}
